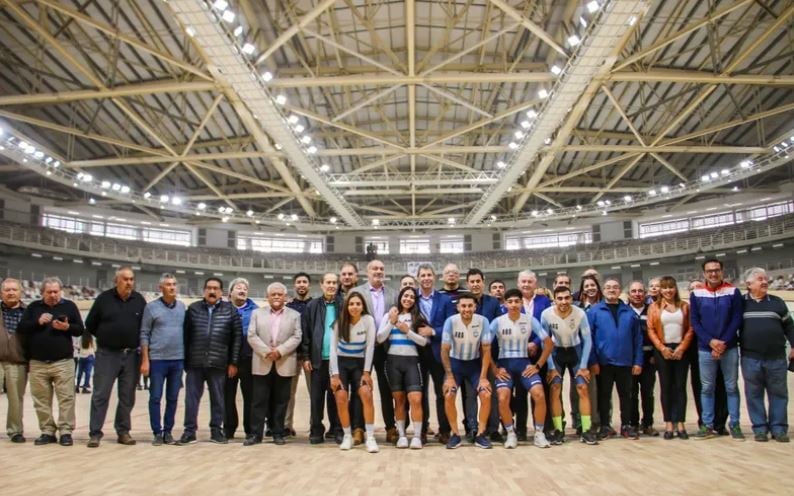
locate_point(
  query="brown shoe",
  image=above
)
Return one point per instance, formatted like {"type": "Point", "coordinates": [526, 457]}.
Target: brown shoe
{"type": "Point", "coordinates": [93, 441]}
{"type": "Point", "coordinates": [443, 438]}
{"type": "Point", "coordinates": [391, 435]}
{"type": "Point", "coordinates": [358, 436]}
{"type": "Point", "coordinates": [126, 440]}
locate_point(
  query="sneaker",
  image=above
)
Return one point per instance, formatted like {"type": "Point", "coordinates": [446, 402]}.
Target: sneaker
{"type": "Point", "coordinates": [157, 440]}
{"type": "Point", "coordinates": [540, 440]}
{"type": "Point", "coordinates": [316, 439]}
{"type": "Point", "coordinates": [188, 439]}
{"type": "Point", "coordinates": [683, 435]}
{"type": "Point", "coordinates": [217, 437]}
{"type": "Point", "coordinates": [496, 437]}
{"type": "Point", "coordinates": [168, 439]}
{"type": "Point", "coordinates": [761, 437]}
{"type": "Point", "coordinates": [629, 432]}
{"type": "Point", "coordinates": [402, 442]}
{"type": "Point", "coordinates": [705, 432]}
{"type": "Point", "coordinates": [588, 437]}
{"type": "Point", "coordinates": [280, 440]}
{"type": "Point", "coordinates": [416, 443]}
{"type": "Point", "coordinates": [512, 441]}
{"type": "Point", "coordinates": [347, 442]}
{"type": "Point", "coordinates": [252, 440]}
{"type": "Point", "coordinates": [454, 442]}
{"type": "Point", "coordinates": [471, 437]}
{"type": "Point", "coordinates": [45, 439]}
{"type": "Point", "coordinates": [482, 441]}
{"type": "Point", "coordinates": [93, 441]}
{"type": "Point", "coordinates": [372, 445]}
{"type": "Point", "coordinates": [610, 431]}
{"type": "Point", "coordinates": [668, 435]}
{"type": "Point", "coordinates": [648, 430]}
{"type": "Point", "coordinates": [557, 438]}
{"type": "Point", "coordinates": [736, 433]}
{"type": "Point", "coordinates": [781, 437]}
{"type": "Point", "coordinates": [66, 440]}
{"type": "Point", "coordinates": [603, 433]}
{"type": "Point", "coordinates": [18, 438]}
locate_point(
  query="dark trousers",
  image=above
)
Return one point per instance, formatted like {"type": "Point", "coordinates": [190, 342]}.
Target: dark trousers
{"type": "Point", "coordinates": [672, 387]}
{"type": "Point", "coordinates": [621, 377]}
{"type": "Point", "coordinates": [270, 399]}
{"type": "Point", "coordinates": [386, 405]}
{"type": "Point", "coordinates": [642, 391]}
{"type": "Point", "coordinates": [230, 417]}
{"type": "Point", "coordinates": [425, 363]}
{"type": "Point", "coordinates": [321, 385]}
{"type": "Point", "coordinates": [162, 373]}
{"type": "Point", "coordinates": [111, 366]}
{"type": "Point", "coordinates": [437, 375]}
{"type": "Point", "coordinates": [194, 390]}
{"type": "Point", "coordinates": [720, 396]}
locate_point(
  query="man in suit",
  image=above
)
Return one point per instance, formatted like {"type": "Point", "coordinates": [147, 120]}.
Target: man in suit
{"type": "Point", "coordinates": [379, 300]}
{"type": "Point", "coordinates": [435, 307]}
{"type": "Point", "coordinates": [274, 335]}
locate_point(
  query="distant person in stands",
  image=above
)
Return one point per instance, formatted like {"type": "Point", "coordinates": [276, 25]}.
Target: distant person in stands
{"type": "Point", "coordinates": [497, 290]}
{"type": "Point", "coordinates": [407, 281]}
{"type": "Point", "coordinates": [716, 315]}
{"type": "Point", "coordinates": [115, 321]}
{"type": "Point", "coordinates": [48, 326]}
{"type": "Point", "coordinates": [85, 362]}
{"type": "Point", "coordinates": [245, 306]}
{"type": "Point", "coordinates": [768, 326]}
{"type": "Point", "coordinates": [348, 277]}
{"type": "Point", "coordinates": [13, 363]}
{"type": "Point", "coordinates": [163, 357]}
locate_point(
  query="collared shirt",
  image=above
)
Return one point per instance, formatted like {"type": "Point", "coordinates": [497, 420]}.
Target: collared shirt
{"type": "Point", "coordinates": [275, 323]}
{"type": "Point", "coordinates": [377, 304]}
{"type": "Point", "coordinates": [12, 316]}
{"type": "Point", "coordinates": [168, 305]}
{"type": "Point", "coordinates": [529, 307]}
{"type": "Point", "coordinates": [328, 328]}
{"type": "Point", "coordinates": [426, 305]}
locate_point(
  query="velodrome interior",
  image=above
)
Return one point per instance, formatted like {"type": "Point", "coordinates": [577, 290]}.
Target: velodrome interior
{"type": "Point", "coordinates": [262, 138]}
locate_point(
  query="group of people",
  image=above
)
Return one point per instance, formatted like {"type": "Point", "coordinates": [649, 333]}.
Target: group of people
{"type": "Point", "coordinates": [505, 352]}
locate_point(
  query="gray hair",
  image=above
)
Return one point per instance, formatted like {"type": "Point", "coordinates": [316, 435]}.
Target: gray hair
{"type": "Point", "coordinates": [527, 273]}
{"type": "Point", "coordinates": [752, 273]}
{"type": "Point", "coordinates": [425, 266]}
{"type": "Point", "coordinates": [166, 276]}
{"type": "Point", "coordinates": [238, 280]}
{"type": "Point", "coordinates": [122, 269]}
{"type": "Point", "coordinates": [275, 286]}
{"type": "Point", "coordinates": [11, 280]}
{"type": "Point", "coordinates": [52, 280]}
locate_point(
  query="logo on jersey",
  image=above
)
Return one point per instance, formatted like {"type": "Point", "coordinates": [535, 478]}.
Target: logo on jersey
{"type": "Point", "coordinates": [523, 328]}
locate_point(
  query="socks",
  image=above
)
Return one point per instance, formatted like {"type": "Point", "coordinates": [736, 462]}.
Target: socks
{"type": "Point", "coordinates": [509, 429]}
{"type": "Point", "coordinates": [586, 423]}
{"type": "Point", "coordinates": [347, 431]}
{"type": "Point", "coordinates": [401, 427]}
{"type": "Point", "coordinates": [417, 428]}
{"type": "Point", "coordinates": [370, 430]}
{"type": "Point", "coordinates": [557, 421]}
{"type": "Point", "coordinates": [538, 427]}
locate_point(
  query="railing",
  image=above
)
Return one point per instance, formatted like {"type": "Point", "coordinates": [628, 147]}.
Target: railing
{"type": "Point", "coordinates": [52, 241]}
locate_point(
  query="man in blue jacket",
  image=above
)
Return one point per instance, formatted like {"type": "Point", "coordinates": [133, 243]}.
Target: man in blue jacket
{"type": "Point", "coordinates": [617, 342]}
{"type": "Point", "coordinates": [436, 307]}
{"type": "Point", "coordinates": [716, 317]}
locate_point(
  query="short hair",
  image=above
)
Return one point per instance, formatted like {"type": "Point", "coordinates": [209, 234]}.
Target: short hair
{"type": "Point", "coordinates": [52, 280]}
{"type": "Point", "coordinates": [632, 283]}
{"type": "Point", "coordinates": [122, 269]}
{"type": "Point", "coordinates": [561, 289]}
{"type": "Point", "coordinates": [449, 265]}
{"type": "Point", "coordinates": [657, 279]}
{"type": "Point", "coordinates": [167, 275]}
{"type": "Point", "coordinates": [613, 279]}
{"type": "Point", "coordinates": [351, 264]}
{"type": "Point", "coordinates": [513, 293]}
{"type": "Point", "coordinates": [369, 264]}
{"type": "Point", "coordinates": [274, 286]}
{"type": "Point", "coordinates": [407, 275]}
{"type": "Point", "coordinates": [496, 281]}
{"type": "Point", "coordinates": [752, 273]}
{"type": "Point", "coordinates": [475, 272]}
{"type": "Point", "coordinates": [562, 274]}
{"type": "Point", "coordinates": [425, 266]}
{"type": "Point", "coordinates": [329, 274]}
{"type": "Point", "coordinates": [302, 274]}
{"type": "Point", "coordinates": [210, 279]}
{"type": "Point", "coordinates": [239, 280]}
{"type": "Point", "coordinates": [9, 280]}
{"type": "Point", "coordinates": [711, 260]}
{"type": "Point", "coordinates": [527, 273]}
{"type": "Point", "coordinates": [467, 296]}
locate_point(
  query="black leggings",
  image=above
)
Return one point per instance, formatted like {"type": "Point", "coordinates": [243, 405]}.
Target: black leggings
{"type": "Point", "coordinates": [672, 382]}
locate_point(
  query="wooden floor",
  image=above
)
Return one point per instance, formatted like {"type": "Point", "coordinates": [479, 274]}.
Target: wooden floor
{"type": "Point", "coordinates": [617, 466]}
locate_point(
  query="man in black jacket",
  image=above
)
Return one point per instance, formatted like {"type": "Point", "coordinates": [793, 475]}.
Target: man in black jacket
{"type": "Point", "coordinates": [47, 327]}
{"type": "Point", "coordinates": [317, 325]}
{"type": "Point", "coordinates": [115, 321]}
{"type": "Point", "coordinates": [213, 338]}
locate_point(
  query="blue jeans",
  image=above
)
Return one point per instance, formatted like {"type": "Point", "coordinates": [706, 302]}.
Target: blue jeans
{"type": "Point", "coordinates": [84, 366]}
{"type": "Point", "coordinates": [729, 364]}
{"type": "Point", "coordinates": [166, 373]}
{"type": "Point", "coordinates": [194, 389]}
{"type": "Point", "coordinates": [769, 375]}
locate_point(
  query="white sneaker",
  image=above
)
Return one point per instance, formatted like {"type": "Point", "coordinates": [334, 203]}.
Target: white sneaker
{"type": "Point", "coordinates": [512, 441]}
{"type": "Point", "coordinates": [372, 445]}
{"type": "Point", "coordinates": [541, 441]}
{"type": "Point", "coordinates": [416, 443]}
{"type": "Point", "coordinates": [347, 442]}
{"type": "Point", "coordinates": [402, 443]}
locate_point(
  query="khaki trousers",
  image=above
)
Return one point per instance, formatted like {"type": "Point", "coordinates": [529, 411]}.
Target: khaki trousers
{"type": "Point", "coordinates": [16, 379]}
{"type": "Point", "coordinates": [46, 378]}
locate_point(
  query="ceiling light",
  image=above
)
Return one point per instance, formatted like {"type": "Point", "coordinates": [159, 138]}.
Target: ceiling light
{"type": "Point", "coordinates": [525, 124]}
{"type": "Point", "coordinates": [278, 147]}
{"type": "Point", "coordinates": [592, 7]}
{"type": "Point", "coordinates": [652, 192]}
{"type": "Point", "coordinates": [501, 164]}
{"type": "Point", "coordinates": [531, 113]}
{"type": "Point", "coordinates": [555, 69]}
{"type": "Point", "coordinates": [332, 220]}
{"type": "Point", "coordinates": [745, 164]}
{"type": "Point", "coordinates": [92, 201]}
{"type": "Point", "coordinates": [549, 211]}
{"type": "Point", "coordinates": [267, 76]}
{"type": "Point", "coordinates": [608, 202]}
{"type": "Point", "coordinates": [293, 119]}
{"type": "Point", "coordinates": [632, 20]}
{"type": "Point", "coordinates": [299, 128]}
{"type": "Point", "coordinates": [578, 207]}
{"type": "Point", "coordinates": [281, 99]}
{"type": "Point", "coordinates": [220, 4]}
{"type": "Point", "coordinates": [534, 213]}
{"type": "Point", "coordinates": [627, 198]}
{"type": "Point", "coordinates": [547, 141]}
{"type": "Point", "coordinates": [147, 195]}
{"type": "Point", "coordinates": [582, 21]}
{"type": "Point", "coordinates": [249, 48]}
{"type": "Point", "coordinates": [543, 93]}
{"type": "Point", "coordinates": [512, 145]}
{"type": "Point", "coordinates": [224, 219]}
{"type": "Point", "coordinates": [250, 213]}
{"type": "Point", "coordinates": [725, 172]}
{"type": "Point", "coordinates": [116, 187]}
{"type": "Point", "coordinates": [518, 134]}
{"type": "Point", "coordinates": [280, 216]}
{"type": "Point", "coordinates": [493, 217]}
{"type": "Point", "coordinates": [163, 198]}
{"type": "Point", "coordinates": [325, 168]}
{"type": "Point", "coordinates": [312, 149]}
{"type": "Point", "coordinates": [294, 216]}
{"type": "Point", "coordinates": [190, 31]}
{"type": "Point", "coordinates": [375, 222]}
{"type": "Point", "coordinates": [600, 203]}
{"type": "Point", "coordinates": [238, 30]}
{"type": "Point", "coordinates": [714, 175]}
{"type": "Point", "coordinates": [176, 201]}
{"type": "Point", "coordinates": [735, 189]}
{"type": "Point", "coordinates": [201, 206]}
{"type": "Point", "coordinates": [451, 220]}
{"type": "Point", "coordinates": [228, 16]}
{"type": "Point", "coordinates": [105, 184]}
{"type": "Point", "coordinates": [574, 40]}
{"type": "Point", "coordinates": [306, 139]}
{"type": "Point", "coordinates": [125, 189]}
{"type": "Point", "coordinates": [665, 189]}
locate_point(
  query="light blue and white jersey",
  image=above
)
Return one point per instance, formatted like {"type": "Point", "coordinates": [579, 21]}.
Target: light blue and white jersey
{"type": "Point", "coordinates": [400, 343]}
{"type": "Point", "coordinates": [572, 331]}
{"type": "Point", "coordinates": [361, 344]}
{"type": "Point", "coordinates": [513, 336]}
{"type": "Point", "coordinates": [465, 340]}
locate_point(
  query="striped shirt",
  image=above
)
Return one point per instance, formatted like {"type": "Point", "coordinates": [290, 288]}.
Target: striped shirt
{"type": "Point", "coordinates": [574, 330]}
{"type": "Point", "coordinates": [361, 344]}
{"type": "Point", "coordinates": [466, 340]}
{"type": "Point", "coordinates": [513, 336]}
{"type": "Point", "coordinates": [400, 343]}
{"type": "Point", "coordinates": [767, 326]}
{"type": "Point", "coordinates": [12, 317]}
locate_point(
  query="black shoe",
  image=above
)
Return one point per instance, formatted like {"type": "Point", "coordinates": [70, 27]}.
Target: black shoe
{"type": "Point", "coordinates": [668, 435]}
{"type": "Point", "coordinates": [556, 438]}
{"type": "Point", "coordinates": [521, 436]}
{"type": "Point", "coordinates": [496, 437]}
{"type": "Point", "coordinates": [169, 439]}
{"type": "Point", "coordinates": [229, 435]}
{"type": "Point", "coordinates": [157, 440]}
{"type": "Point", "coordinates": [279, 440]}
{"type": "Point", "coordinates": [140, 388]}
{"type": "Point", "coordinates": [252, 440]}
{"type": "Point", "coordinates": [66, 440]}
{"type": "Point", "coordinates": [589, 437]}
{"type": "Point", "coordinates": [268, 433]}
{"type": "Point", "coordinates": [683, 435]}
{"type": "Point", "coordinates": [338, 437]}
{"type": "Point", "coordinates": [77, 389]}
{"type": "Point", "coordinates": [18, 438]}
{"type": "Point", "coordinates": [781, 437]}
{"type": "Point", "coordinates": [217, 437]}
{"type": "Point", "coordinates": [629, 432]}
{"type": "Point", "coordinates": [470, 437]}
{"type": "Point", "coordinates": [188, 439]}
{"type": "Point", "coordinates": [603, 433]}
{"type": "Point", "coordinates": [86, 390]}
{"type": "Point", "coordinates": [93, 441]}
{"type": "Point", "coordinates": [328, 435]}
{"type": "Point", "coordinates": [45, 439]}
{"type": "Point", "coordinates": [316, 439]}
{"type": "Point", "coordinates": [291, 432]}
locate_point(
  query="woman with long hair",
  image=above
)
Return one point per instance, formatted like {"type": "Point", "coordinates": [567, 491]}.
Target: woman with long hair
{"type": "Point", "coordinates": [671, 334]}
{"type": "Point", "coordinates": [350, 363]}
{"type": "Point", "coordinates": [400, 328]}
{"type": "Point", "coordinates": [589, 292]}
{"type": "Point", "coordinates": [85, 362]}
